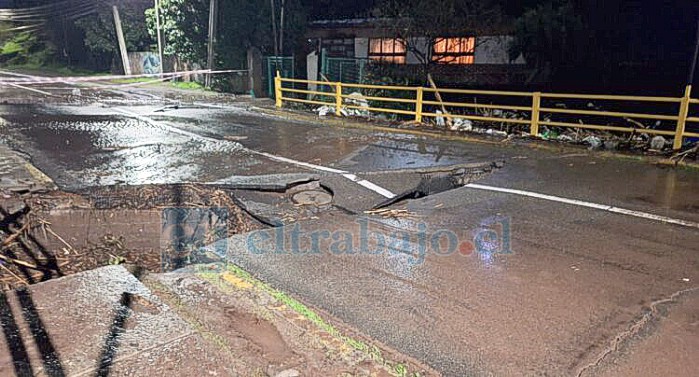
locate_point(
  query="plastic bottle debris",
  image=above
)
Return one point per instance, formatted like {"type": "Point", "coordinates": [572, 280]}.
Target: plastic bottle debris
{"type": "Point", "coordinates": [440, 120]}
{"type": "Point", "coordinates": [356, 99]}
{"type": "Point", "coordinates": [460, 124]}
{"type": "Point", "coordinates": [593, 141]}
{"type": "Point", "coordinates": [324, 110]}
{"type": "Point", "coordinates": [549, 134]}
{"type": "Point", "coordinates": [495, 132]}
{"type": "Point", "coordinates": [565, 138]}
{"type": "Point", "coordinates": [658, 143]}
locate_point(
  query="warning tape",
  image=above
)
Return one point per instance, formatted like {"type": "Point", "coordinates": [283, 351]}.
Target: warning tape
{"type": "Point", "coordinates": [32, 80]}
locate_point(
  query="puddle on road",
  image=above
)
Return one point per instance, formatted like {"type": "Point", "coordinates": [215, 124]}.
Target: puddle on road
{"type": "Point", "coordinates": [88, 150]}
{"type": "Point", "coordinates": [397, 154]}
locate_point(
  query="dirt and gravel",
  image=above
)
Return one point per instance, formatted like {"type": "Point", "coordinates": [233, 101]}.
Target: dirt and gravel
{"type": "Point", "coordinates": [53, 234]}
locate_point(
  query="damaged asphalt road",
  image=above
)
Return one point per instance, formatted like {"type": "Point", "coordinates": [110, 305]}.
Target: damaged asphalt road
{"type": "Point", "coordinates": [470, 281]}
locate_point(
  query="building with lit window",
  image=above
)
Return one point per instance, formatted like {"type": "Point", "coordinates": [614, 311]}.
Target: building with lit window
{"type": "Point", "coordinates": [465, 59]}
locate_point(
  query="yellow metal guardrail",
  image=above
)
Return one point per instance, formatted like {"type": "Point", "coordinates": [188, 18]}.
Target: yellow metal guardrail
{"type": "Point", "coordinates": [335, 98]}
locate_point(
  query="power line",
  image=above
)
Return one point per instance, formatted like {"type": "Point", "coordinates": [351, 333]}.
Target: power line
{"type": "Point", "coordinates": [68, 9]}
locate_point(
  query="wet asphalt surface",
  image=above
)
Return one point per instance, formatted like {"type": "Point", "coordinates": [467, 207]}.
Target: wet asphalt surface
{"type": "Point", "coordinates": [578, 291]}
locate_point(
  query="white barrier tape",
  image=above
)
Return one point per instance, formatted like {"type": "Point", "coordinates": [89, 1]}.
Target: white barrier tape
{"type": "Point", "coordinates": [29, 80]}
{"type": "Point", "coordinates": [30, 89]}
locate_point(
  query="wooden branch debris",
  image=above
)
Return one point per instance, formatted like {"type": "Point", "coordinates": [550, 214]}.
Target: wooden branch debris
{"type": "Point", "coordinates": [678, 158]}
{"type": "Point", "coordinates": [391, 213]}
{"type": "Point", "coordinates": [19, 262]}
{"type": "Point", "coordinates": [439, 99]}
{"type": "Point", "coordinates": [10, 239]}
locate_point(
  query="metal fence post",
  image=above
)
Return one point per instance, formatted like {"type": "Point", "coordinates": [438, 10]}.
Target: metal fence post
{"type": "Point", "coordinates": [682, 120]}
{"type": "Point", "coordinates": [338, 98]}
{"type": "Point", "coordinates": [536, 105]}
{"type": "Point", "coordinates": [278, 90]}
{"type": "Point", "coordinates": [418, 105]}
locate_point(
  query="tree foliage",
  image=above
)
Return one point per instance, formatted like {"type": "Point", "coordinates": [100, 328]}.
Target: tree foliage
{"type": "Point", "coordinates": [100, 33]}
{"type": "Point", "coordinates": [547, 35]}
{"type": "Point", "coordinates": [184, 26]}
{"type": "Point", "coordinates": [24, 48]}
{"type": "Point", "coordinates": [614, 43]}
{"type": "Point", "coordinates": [241, 24]}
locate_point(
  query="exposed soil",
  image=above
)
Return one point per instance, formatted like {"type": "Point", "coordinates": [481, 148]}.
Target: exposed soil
{"type": "Point", "coordinates": [56, 234]}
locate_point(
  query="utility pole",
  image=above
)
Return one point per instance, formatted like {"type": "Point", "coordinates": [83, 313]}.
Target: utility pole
{"type": "Point", "coordinates": [213, 17]}
{"type": "Point", "coordinates": [693, 68]}
{"type": "Point", "coordinates": [281, 30]}
{"type": "Point", "coordinates": [160, 41]}
{"type": "Point", "coordinates": [274, 28]}
{"type": "Point", "coordinates": [122, 42]}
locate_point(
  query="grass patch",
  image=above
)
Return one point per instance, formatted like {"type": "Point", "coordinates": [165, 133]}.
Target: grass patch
{"type": "Point", "coordinates": [191, 85]}
{"type": "Point", "coordinates": [397, 369]}
{"type": "Point", "coordinates": [134, 80]}
{"type": "Point", "coordinates": [52, 70]}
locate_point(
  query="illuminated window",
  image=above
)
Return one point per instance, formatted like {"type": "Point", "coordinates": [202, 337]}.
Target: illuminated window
{"type": "Point", "coordinates": [454, 50]}
{"type": "Point", "coordinates": [387, 50]}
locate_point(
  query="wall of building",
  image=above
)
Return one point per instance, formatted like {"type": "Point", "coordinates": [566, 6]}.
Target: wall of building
{"type": "Point", "coordinates": [495, 50]}
{"type": "Point", "coordinates": [361, 48]}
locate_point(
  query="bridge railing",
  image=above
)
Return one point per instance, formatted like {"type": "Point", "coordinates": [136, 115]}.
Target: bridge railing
{"type": "Point", "coordinates": [427, 102]}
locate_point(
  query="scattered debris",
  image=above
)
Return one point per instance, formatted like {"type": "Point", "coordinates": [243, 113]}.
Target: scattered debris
{"type": "Point", "coordinates": [462, 125]}
{"type": "Point", "coordinates": [438, 96]}
{"type": "Point", "coordinates": [658, 143]}
{"type": "Point", "coordinates": [391, 213]}
{"type": "Point", "coordinates": [440, 120]}
{"type": "Point", "coordinates": [325, 110]}
{"type": "Point", "coordinates": [611, 144]}
{"type": "Point", "coordinates": [681, 156]}
{"type": "Point", "coordinates": [56, 234]}
{"type": "Point", "coordinates": [593, 141]}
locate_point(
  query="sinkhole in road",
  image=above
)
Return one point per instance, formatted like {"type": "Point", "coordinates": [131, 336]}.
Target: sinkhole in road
{"type": "Point", "coordinates": [437, 180]}
{"type": "Point", "coordinates": [157, 227]}
{"type": "Point", "coordinates": [167, 227]}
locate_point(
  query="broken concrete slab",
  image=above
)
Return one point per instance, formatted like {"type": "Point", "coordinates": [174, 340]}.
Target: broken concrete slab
{"type": "Point", "coordinates": [85, 323]}
{"type": "Point", "coordinates": [195, 323]}
{"type": "Point", "coordinates": [19, 176]}
{"type": "Point", "coordinates": [272, 182]}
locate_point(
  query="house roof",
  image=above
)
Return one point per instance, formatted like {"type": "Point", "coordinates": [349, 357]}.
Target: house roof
{"type": "Point", "coordinates": [378, 25]}
{"type": "Point", "coordinates": [351, 22]}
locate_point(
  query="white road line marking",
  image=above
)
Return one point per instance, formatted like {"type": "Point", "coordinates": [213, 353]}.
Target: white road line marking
{"type": "Point", "coordinates": [371, 186]}
{"type": "Point", "coordinates": [32, 90]}
{"type": "Point", "coordinates": [300, 163]}
{"type": "Point", "coordinates": [603, 207]}
{"type": "Point", "coordinates": [362, 182]}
